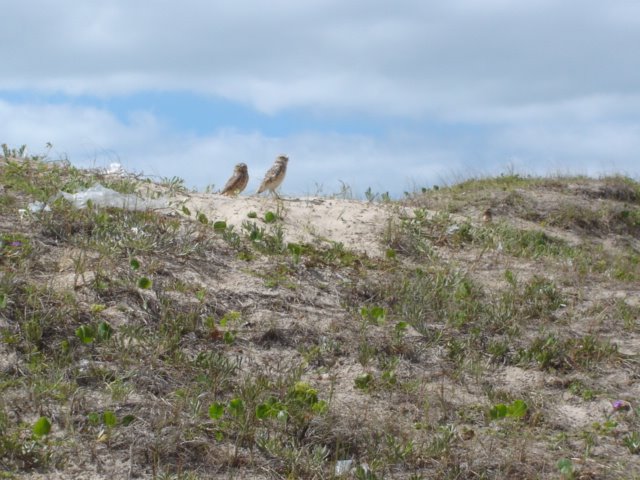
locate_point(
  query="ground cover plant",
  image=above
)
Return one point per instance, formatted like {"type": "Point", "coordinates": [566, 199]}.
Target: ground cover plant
{"type": "Point", "coordinates": [221, 338]}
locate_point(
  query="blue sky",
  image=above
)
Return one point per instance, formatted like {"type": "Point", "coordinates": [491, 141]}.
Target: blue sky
{"type": "Point", "coordinates": [392, 96]}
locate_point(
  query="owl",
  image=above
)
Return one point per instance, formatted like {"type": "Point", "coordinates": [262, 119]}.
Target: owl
{"type": "Point", "coordinates": [238, 181]}
{"type": "Point", "coordinates": [275, 175]}
{"type": "Point", "coordinates": [487, 216]}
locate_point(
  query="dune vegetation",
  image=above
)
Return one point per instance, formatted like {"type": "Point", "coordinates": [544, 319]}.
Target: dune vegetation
{"type": "Point", "coordinates": [183, 342]}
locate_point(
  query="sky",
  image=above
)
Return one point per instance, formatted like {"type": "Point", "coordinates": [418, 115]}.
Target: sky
{"type": "Point", "coordinates": [392, 96]}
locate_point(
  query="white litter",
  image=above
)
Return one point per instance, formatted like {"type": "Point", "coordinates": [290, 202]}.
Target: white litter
{"type": "Point", "coordinates": [453, 229]}
{"type": "Point", "coordinates": [101, 196]}
{"type": "Point", "coordinates": [343, 467]}
{"type": "Point", "coordinates": [114, 169]}
{"type": "Point", "coordinates": [36, 207]}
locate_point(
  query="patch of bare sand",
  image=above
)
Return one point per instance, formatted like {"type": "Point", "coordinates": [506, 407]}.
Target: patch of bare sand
{"type": "Point", "coordinates": [358, 225]}
{"type": "Point", "coordinates": [580, 414]}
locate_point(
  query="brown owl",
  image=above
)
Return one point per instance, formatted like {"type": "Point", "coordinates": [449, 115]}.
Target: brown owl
{"type": "Point", "coordinates": [487, 216]}
{"type": "Point", "coordinates": [275, 175]}
{"type": "Point", "coordinates": [238, 181]}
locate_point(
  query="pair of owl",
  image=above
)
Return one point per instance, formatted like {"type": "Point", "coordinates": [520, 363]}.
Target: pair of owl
{"type": "Point", "coordinates": [272, 179]}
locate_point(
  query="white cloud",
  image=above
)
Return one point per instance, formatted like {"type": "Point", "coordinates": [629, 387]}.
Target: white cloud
{"type": "Point", "coordinates": [596, 147]}
{"type": "Point", "coordinates": [91, 137]}
{"type": "Point", "coordinates": [403, 58]}
{"type": "Point", "coordinates": [544, 84]}
{"type": "Point", "coordinates": [392, 162]}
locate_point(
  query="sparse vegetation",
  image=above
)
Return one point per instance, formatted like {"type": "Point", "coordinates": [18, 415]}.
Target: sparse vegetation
{"type": "Point", "coordinates": [175, 344]}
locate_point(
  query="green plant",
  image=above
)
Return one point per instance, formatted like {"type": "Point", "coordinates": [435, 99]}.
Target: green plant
{"type": "Point", "coordinates": [202, 218]}
{"type": "Point", "coordinates": [410, 235]}
{"type": "Point", "coordinates": [442, 442]}
{"type": "Point", "coordinates": [174, 185]}
{"type": "Point", "coordinates": [632, 442]}
{"type": "Point", "coordinates": [516, 409]}
{"type": "Point", "coordinates": [577, 387]}
{"type": "Point", "coordinates": [13, 152]}
{"type": "Point", "coordinates": [41, 427]}
{"type": "Point", "coordinates": [229, 322]}
{"type": "Point", "coordinates": [374, 315]}
{"type": "Point", "coordinates": [364, 381]}
{"type": "Point", "coordinates": [269, 242]}
{"type": "Point", "coordinates": [270, 217]}
{"type": "Point", "coordinates": [566, 468]}
{"type": "Point", "coordinates": [451, 315]}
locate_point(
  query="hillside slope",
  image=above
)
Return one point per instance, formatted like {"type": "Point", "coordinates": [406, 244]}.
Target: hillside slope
{"type": "Point", "coordinates": [214, 337]}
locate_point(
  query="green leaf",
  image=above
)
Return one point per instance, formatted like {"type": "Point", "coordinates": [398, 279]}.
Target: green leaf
{"type": "Point", "coordinates": [294, 248]}
{"type": "Point", "coordinates": [390, 254]}
{"type": "Point", "coordinates": [228, 337]}
{"type": "Point", "coordinates": [98, 307]}
{"type": "Point", "coordinates": [236, 407]}
{"type": "Point", "coordinates": [41, 427]}
{"type": "Point", "coordinates": [320, 406]}
{"type": "Point", "coordinates": [498, 411]}
{"type": "Point", "coordinates": [270, 408]}
{"type": "Point", "coordinates": [144, 283]}
{"type": "Point", "coordinates": [135, 264]}
{"type": "Point", "coordinates": [401, 327]}
{"type": "Point", "coordinates": [270, 217]}
{"type": "Point", "coordinates": [216, 410]}
{"type": "Point", "coordinates": [104, 331]}
{"type": "Point", "coordinates": [262, 411]}
{"type": "Point", "coordinates": [255, 235]}
{"type": "Point", "coordinates": [363, 381]}
{"type": "Point", "coordinates": [3, 300]}
{"type": "Point", "coordinates": [94, 418]}
{"type": "Point", "coordinates": [127, 420]}
{"type": "Point", "coordinates": [186, 211]}
{"type": "Point", "coordinates": [518, 409]}
{"type": "Point", "coordinates": [109, 418]}
{"type": "Point", "coordinates": [377, 313]}
{"type": "Point", "coordinates": [252, 215]}
{"type": "Point", "coordinates": [565, 466]}
{"type": "Point", "coordinates": [304, 393]}
{"type": "Point", "coordinates": [202, 218]}
{"type": "Point", "coordinates": [220, 226]}
{"type": "Point", "coordinates": [85, 333]}
{"type": "Point", "coordinates": [374, 314]}
{"type": "Point", "coordinates": [231, 316]}
{"type": "Point", "coordinates": [389, 377]}
{"type": "Point", "coordinates": [510, 278]}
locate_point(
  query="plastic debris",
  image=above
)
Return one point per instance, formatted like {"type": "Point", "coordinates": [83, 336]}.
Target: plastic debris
{"type": "Point", "coordinates": [36, 207]}
{"type": "Point", "coordinates": [114, 169]}
{"type": "Point", "coordinates": [101, 196]}
{"type": "Point", "coordinates": [343, 467]}
{"type": "Point", "coordinates": [453, 229]}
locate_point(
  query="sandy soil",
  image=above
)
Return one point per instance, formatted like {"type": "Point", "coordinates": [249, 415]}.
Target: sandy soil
{"type": "Point", "coordinates": [358, 225]}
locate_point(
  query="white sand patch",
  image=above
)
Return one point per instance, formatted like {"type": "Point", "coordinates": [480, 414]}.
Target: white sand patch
{"type": "Point", "coordinates": [358, 225]}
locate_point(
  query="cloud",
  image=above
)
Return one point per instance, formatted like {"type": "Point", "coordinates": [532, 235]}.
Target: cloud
{"type": "Point", "coordinates": [92, 137]}
{"type": "Point", "coordinates": [588, 149]}
{"type": "Point", "coordinates": [371, 93]}
{"type": "Point", "coordinates": [320, 161]}
{"type": "Point", "coordinates": [408, 58]}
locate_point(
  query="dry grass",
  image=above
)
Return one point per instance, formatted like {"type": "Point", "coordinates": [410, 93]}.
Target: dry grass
{"type": "Point", "coordinates": [167, 346]}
